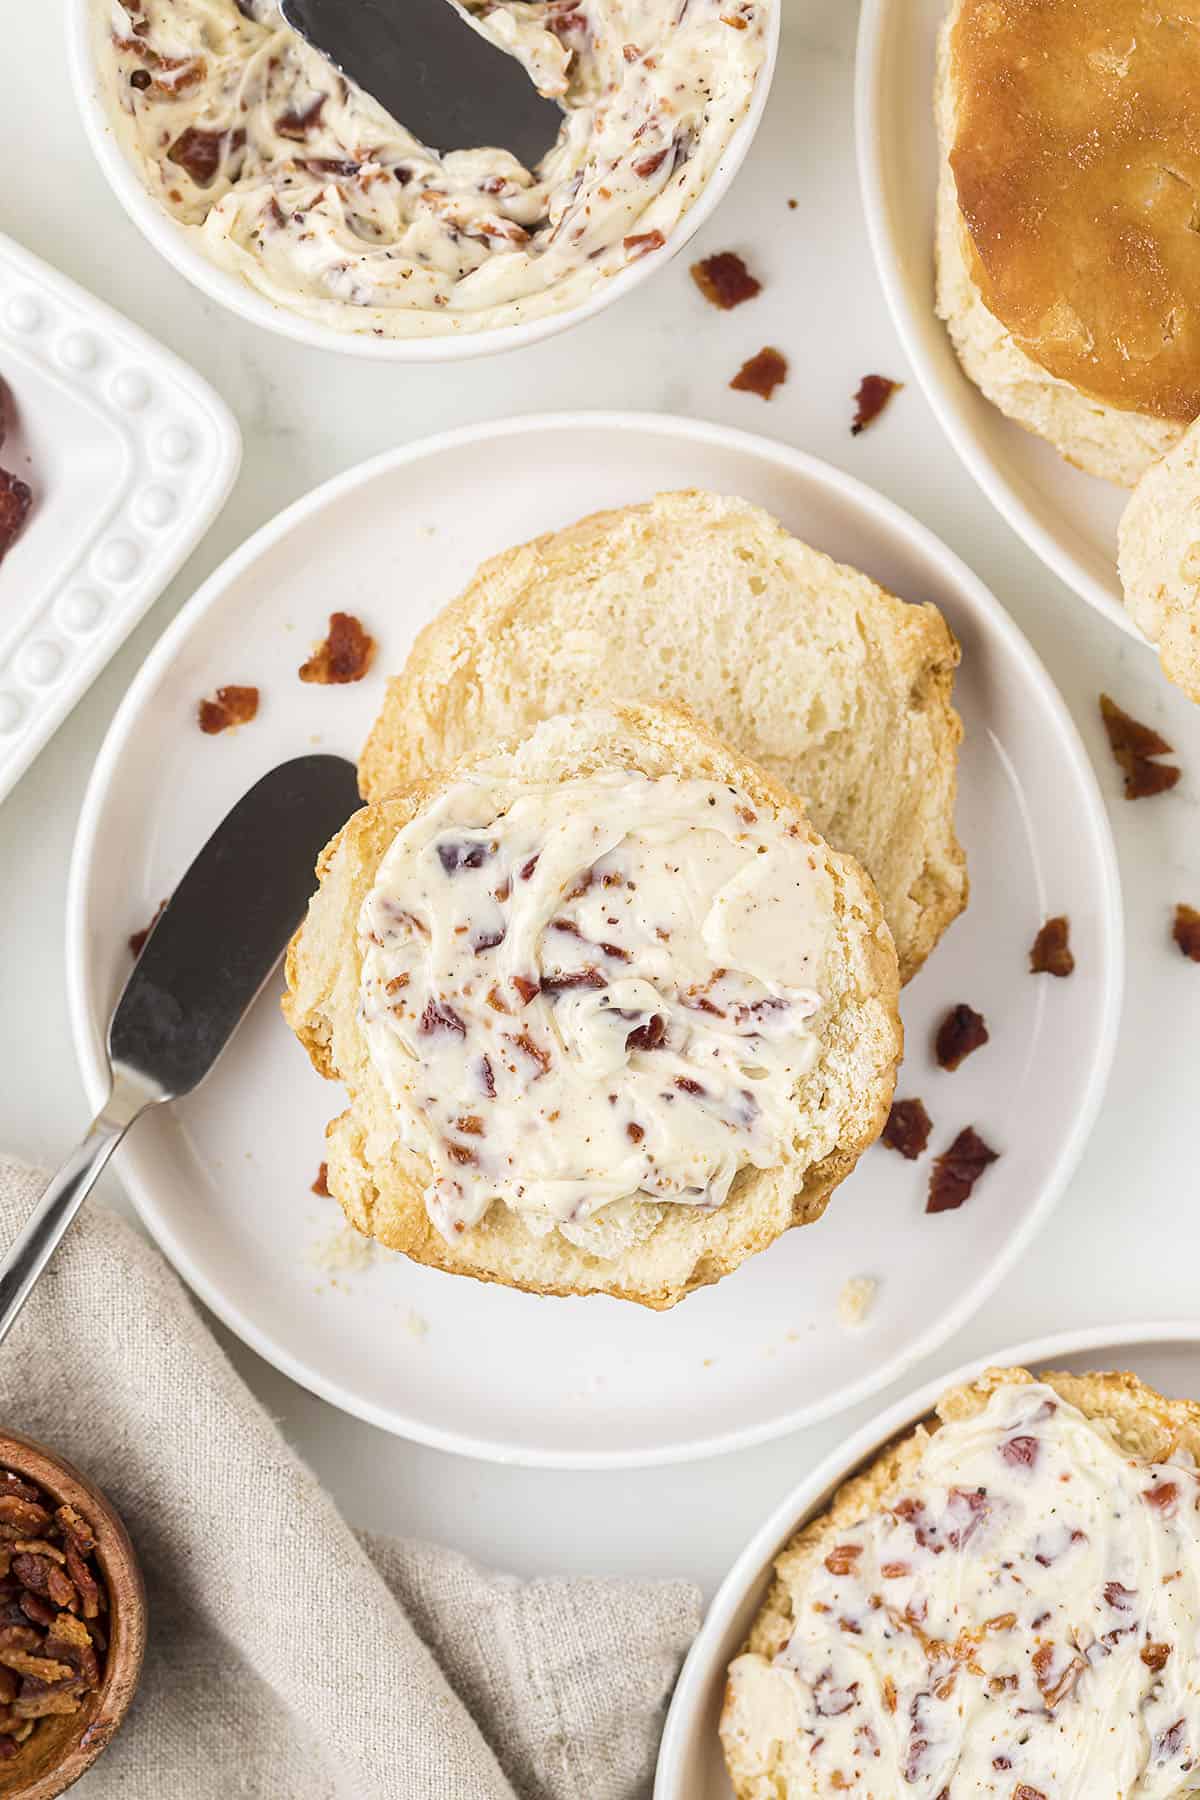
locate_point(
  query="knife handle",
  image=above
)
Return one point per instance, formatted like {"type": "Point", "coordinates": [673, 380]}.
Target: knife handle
{"type": "Point", "coordinates": [66, 1193]}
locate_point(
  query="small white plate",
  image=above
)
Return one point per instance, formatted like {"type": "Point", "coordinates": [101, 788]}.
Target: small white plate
{"type": "Point", "coordinates": [130, 457]}
{"type": "Point", "coordinates": [690, 1764]}
{"type": "Point", "coordinates": [1067, 518]}
{"type": "Point", "coordinates": [223, 1180]}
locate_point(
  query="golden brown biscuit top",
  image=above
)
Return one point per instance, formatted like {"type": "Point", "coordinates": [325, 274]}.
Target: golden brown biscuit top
{"type": "Point", "coordinates": [1077, 161]}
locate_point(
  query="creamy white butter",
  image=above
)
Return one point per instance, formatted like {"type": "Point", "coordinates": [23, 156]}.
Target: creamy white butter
{"type": "Point", "coordinates": [302, 184]}
{"type": "Point", "coordinates": [1024, 1621]}
{"type": "Point", "coordinates": [597, 995]}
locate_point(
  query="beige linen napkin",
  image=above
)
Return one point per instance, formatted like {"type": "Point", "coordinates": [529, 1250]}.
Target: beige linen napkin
{"type": "Point", "coordinates": [288, 1658]}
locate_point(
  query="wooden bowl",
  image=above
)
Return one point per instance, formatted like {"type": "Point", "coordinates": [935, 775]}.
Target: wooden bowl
{"type": "Point", "coordinates": [61, 1748]}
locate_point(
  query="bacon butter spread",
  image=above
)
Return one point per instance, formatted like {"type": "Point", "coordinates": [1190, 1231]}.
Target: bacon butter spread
{"type": "Point", "coordinates": [1021, 1620]}
{"type": "Point", "coordinates": [594, 994]}
{"type": "Point", "coordinates": [295, 179]}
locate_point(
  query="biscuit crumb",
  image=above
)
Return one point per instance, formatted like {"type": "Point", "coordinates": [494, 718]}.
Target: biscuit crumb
{"type": "Point", "coordinates": [415, 1325]}
{"type": "Point", "coordinates": [343, 1249]}
{"type": "Point", "coordinates": [856, 1300]}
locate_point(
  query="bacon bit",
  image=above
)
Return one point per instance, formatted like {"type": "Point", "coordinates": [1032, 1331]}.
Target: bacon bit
{"type": "Point", "coordinates": [957, 1170]}
{"type": "Point", "coordinates": [1118, 1595]}
{"type": "Point", "coordinates": [396, 983]}
{"type": "Point", "coordinates": [725, 281]}
{"type": "Point", "coordinates": [1054, 1688]}
{"type": "Point", "coordinates": [440, 1017]}
{"type": "Point", "coordinates": [539, 1056]}
{"type": "Point", "coordinates": [650, 165]}
{"type": "Point", "coordinates": [1162, 1498]}
{"type": "Point", "coordinates": [346, 654]}
{"type": "Point", "coordinates": [648, 1036]}
{"type": "Point", "coordinates": [630, 52]}
{"type": "Point", "coordinates": [842, 1558]}
{"type": "Point", "coordinates": [1133, 745]}
{"type": "Point", "coordinates": [634, 1133]}
{"type": "Point", "coordinates": [1186, 931]}
{"type": "Point", "coordinates": [137, 941]}
{"type": "Point", "coordinates": [1023, 1791]}
{"type": "Point", "coordinates": [1020, 1452]}
{"type": "Point", "coordinates": [792, 205]}
{"type": "Point", "coordinates": [527, 869]}
{"type": "Point", "coordinates": [962, 1031]}
{"type": "Point", "coordinates": [526, 988]}
{"type": "Point", "coordinates": [297, 125]}
{"type": "Point", "coordinates": [1002, 1622]}
{"type": "Point", "coordinates": [579, 978]}
{"type": "Point", "coordinates": [889, 1694]}
{"type": "Point", "coordinates": [1155, 1656]}
{"type": "Point", "coordinates": [874, 392]}
{"type": "Point", "coordinates": [232, 706]}
{"type": "Point", "coordinates": [487, 1078]}
{"type": "Point", "coordinates": [907, 1129]}
{"type": "Point", "coordinates": [198, 152]}
{"type": "Point", "coordinates": [643, 243]}
{"type": "Point", "coordinates": [321, 1184]}
{"type": "Point", "coordinates": [1051, 953]}
{"type": "Point", "coordinates": [16, 498]}
{"type": "Point", "coordinates": [895, 1571]}
{"type": "Point", "coordinates": [686, 1085]}
{"type": "Point", "coordinates": [733, 21]}
{"type": "Point", "coordinates": [762, 374]}
{"type": "Point", "coordinates": [1168, 1744]}
{"type": "Point", "coordinates": [461, 1154]}
{"type": "Point", "coordinates": [496, 1000]}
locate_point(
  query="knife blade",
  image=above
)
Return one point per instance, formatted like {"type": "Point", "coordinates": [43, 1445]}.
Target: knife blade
{"type": "Point", "coordinates": [428, 65]}
{"type": "Point", "coordinates": [203, 965]}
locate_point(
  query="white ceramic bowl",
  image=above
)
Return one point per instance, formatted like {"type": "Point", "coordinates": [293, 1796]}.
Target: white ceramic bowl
{"type": "Point", "coordinates": [1067, 518]}
{"type": "Point", "coordinates": [690, 1764]}
{"type": "Point", "coordinates": [173, 241]}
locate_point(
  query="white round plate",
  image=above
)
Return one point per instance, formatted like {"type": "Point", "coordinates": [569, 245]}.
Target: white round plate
{"type": "Point", "coordinates": [1067, 518]}
{"type": "Point", "coordinates": [223, 1179]}
{"type": "Point", "coordinates": [690, 1764]}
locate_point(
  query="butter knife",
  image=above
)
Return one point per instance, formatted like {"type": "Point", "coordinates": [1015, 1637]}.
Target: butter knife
{"type": "Point", "coordinates": [204, 964]}
{"type": "Point", "coordinates": [433, 70]}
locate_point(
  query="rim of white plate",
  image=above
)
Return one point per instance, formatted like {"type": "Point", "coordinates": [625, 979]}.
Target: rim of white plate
{"type": "Point", "coordinates": [805, 1499]}
{"type": "Point", "coordinates": [171, 241]}
{"type": "Point", "coordinates": [813, 469]}
{"type": "Point", "coordinates": [950, 400]}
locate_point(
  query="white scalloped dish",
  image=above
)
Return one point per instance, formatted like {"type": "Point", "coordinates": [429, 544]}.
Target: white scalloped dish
{"type": "Point", "coordinates": [129, 455]}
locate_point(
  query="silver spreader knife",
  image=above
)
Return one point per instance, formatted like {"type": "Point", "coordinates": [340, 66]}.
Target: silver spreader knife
{"type": "Point", "coordinates": [204, 964]}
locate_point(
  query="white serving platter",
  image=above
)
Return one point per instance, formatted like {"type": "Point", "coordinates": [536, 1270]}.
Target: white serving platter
{"type": "Point", "coordinates": [690, 1765]}
{"type": "Point", "coordinates": [130, 456]}
{"type": "Point", "coordinates": [223, 1180]}
{"type": "Point", "coordinates": [1067, 518]}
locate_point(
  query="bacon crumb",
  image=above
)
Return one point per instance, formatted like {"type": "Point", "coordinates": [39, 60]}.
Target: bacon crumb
{"type": "Point", "coordinates": [643, 243]}
{"type": "Point", "coordinates": [762, 374]}
{"type": "Point", "coordinates": [137, 941]}
{"type": "Point", "coordinates": [956, 1171]}
{"type": "Point", "coordinates": [1134, 745]}
{"type": "Point", "coordinates": [1187, 931]}
{"type": "Point", "coordinates": [1051, 953]}
{"type": "Point", "coordinates": [725, 281]}
{"type": "Point", "coordinates": [321, 1184]}
{"type": "Point", "coordinates": [232, 706]}
{"type": "Point", "coordinates": [346, 654]}
{"type": "Point", "coordinates": [874, 392]}
{"type": "Point", "coordinates": [961, 1031]}
{"type": "Point", "coordinates": [907, 1129]}
{"type": "Point", "coordinates": [16, 498]}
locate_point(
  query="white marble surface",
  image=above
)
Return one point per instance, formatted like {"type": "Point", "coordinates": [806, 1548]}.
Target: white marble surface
{"type": "Point", "coordinates": [1124, 1242]}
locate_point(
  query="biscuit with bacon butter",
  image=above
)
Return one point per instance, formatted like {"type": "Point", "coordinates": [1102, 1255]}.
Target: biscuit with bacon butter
{"type": "Point", "coordinates": [1069, 219]}
{"type": "Point", "coordinates": [611, 1015]}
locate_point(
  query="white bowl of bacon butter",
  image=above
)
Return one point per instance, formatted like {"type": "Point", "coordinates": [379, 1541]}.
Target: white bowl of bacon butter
{"type": "Point", "coordinates": [176, 243]}
{"type": "Point", "coordinates": [690, 1763]}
